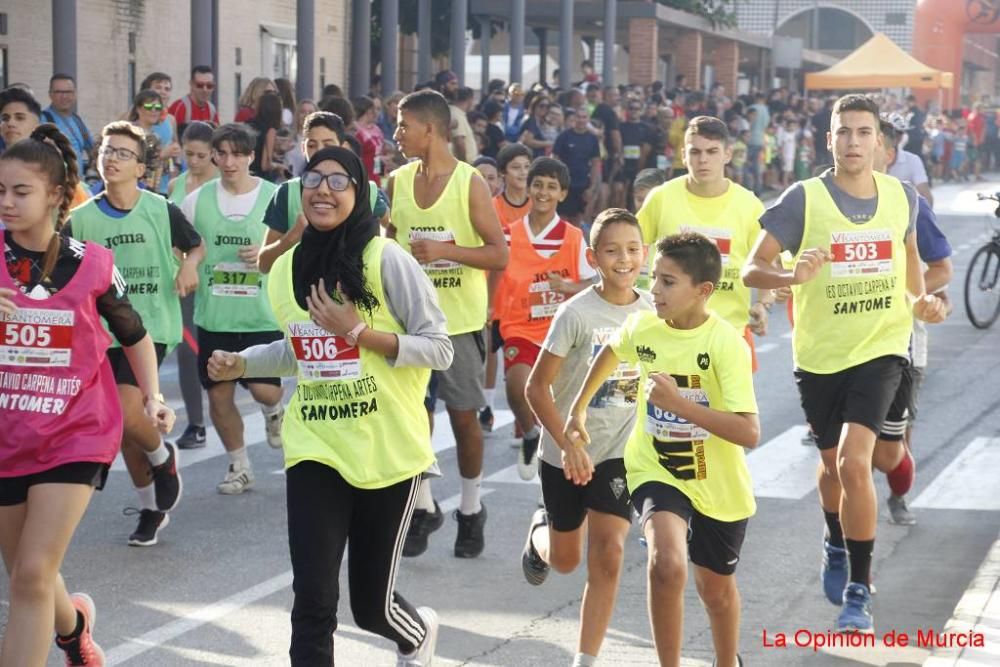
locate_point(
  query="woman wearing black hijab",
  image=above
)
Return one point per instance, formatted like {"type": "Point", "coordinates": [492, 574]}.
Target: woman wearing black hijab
{"type": "Point", "coordinates": [362, 331]}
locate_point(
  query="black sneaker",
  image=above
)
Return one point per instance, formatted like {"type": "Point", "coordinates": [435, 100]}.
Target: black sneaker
{"type": "Point", "coordinates": [422, 524]}
{"type": "Point", "coordinates": [535, 569]}
{"type": "Point", "coordinates": [151, 523]}
{"type": "Point", "coordinates": [739, 661]}
{"type": "Point", "coordinates": [193, 437]}
{"type": "Point", "coordinates": [167, 481]}
{"type": "Point", "coordinates": [469, 542]}
{"type": "Point", "coordinates": [486, 419]}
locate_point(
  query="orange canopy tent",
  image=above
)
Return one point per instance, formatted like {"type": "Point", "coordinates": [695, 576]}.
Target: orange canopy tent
{"type": "Point", "coordinates": [879, 63]}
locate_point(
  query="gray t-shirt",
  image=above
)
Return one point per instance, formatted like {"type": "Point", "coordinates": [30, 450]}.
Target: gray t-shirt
{"type": "Point", "coordinates": [785, 218]}
{"type": "Point", "coordinates": [579, 330]}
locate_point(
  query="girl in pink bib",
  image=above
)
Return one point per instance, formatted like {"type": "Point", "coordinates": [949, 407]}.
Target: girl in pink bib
{"type": "Point", "coordinates": [60, 419]}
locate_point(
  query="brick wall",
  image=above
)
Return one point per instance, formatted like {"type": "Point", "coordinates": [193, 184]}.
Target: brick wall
{"type": "Point", "coordinates": [688, 57]}
{"type": "Point", "coordinates": [725, 58]}
{"type": "Point", "coordinates": [162, 43]}
{"type": "Point", "coordinates": [644, 50]}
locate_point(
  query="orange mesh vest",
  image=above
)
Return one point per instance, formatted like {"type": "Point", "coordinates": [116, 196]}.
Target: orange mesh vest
{"type": "Point", "coordinates": [530, 303]}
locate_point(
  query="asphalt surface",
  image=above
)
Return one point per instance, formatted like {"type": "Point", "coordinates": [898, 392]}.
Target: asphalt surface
{"type": "Point", "coordinates": [216, 590]}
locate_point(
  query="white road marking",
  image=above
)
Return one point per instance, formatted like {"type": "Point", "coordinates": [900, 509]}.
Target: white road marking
{"type": "Point", "coordinates": [509, 475]}
{"type": "Point", "coordinates": [978, 612]}
{"type": "Point", "coordinates": [969, 482]}
{"type": "Point", "coordinates": [767, 347]}
{"type": "Point", "coordinates": [783, 467]}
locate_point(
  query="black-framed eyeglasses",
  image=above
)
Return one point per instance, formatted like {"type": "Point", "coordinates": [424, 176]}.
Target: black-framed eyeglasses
{"type": "Point", "coordinates": [123, 154]}
{"type": "Point", "coordinates": [336, 181]}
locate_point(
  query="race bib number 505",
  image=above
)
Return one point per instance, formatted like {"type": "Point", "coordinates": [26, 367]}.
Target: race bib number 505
{"type": "Point", "coordinates": [36, 337]}
{"type": "Point", "coordinates": [322, 355]}
{"type": "Point", "coordinates": [861, 253]}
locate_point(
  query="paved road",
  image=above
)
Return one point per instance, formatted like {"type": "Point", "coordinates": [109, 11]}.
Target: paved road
{"type": "Point", "coordinates": [216, 589]}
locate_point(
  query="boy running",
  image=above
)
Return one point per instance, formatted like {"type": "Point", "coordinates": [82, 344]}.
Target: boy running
{"type": "Point", "coordinates": [856, 284]}
{"type": "Point", "coordinates": [584, 488]}
{"type": "Point", "coordinates": [548, 263]}
{"type": "Point", "coordinates": [685, 461]}
{"type": "Point", "coordinates": [442, 214]}
{"type": "Point", "coordinates": [232, 312]}
{"type": "Point", "coordinates": [143, 230]}
{"type": "Point", "coordinates": [705, 201]}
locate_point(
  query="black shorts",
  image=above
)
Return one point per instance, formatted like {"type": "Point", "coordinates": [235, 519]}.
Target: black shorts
{"type": "Point", "coordinates": [122, 369]}
{"type": "Point", "coordinates": [573, 205]}
{"type": "Point", "coordinates": [208, 341]}
{"type": "Point", "coordinates": [712, 544]}
{"type": "Point", "coordinates": [898, 417]}
{"type": "Point", "coordinates": [496, 340]}
{"type": "Point", "coordinates": [14, 490]}
{"type": "Point", "coordinates": [861, 394]}
{"type": "Point", "coordinates": [567, 503]}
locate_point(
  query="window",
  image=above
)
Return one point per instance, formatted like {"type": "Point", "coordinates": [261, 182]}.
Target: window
{"type": "Point", "coordinates": [322, 73]}
{"type": "Point", "coordinates": [3, 67]}
{"type": "Point", "coordinates": [239, 89]}
{"type": "Point", "coordinates": [131, 83]}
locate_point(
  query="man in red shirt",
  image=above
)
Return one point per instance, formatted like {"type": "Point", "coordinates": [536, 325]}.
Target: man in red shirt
{"type": "Point", "coordinates": [197, 104]}
{"type": "Point", "coordinates": [977, 137]}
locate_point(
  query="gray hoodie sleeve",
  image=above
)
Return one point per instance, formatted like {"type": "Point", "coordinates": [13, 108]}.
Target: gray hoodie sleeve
{"type": "Point", "coordinates": [268, 361]}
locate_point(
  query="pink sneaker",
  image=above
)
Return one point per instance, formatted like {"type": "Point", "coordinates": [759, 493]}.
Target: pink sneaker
{"type": "Point", "coordinates": [83, 650]}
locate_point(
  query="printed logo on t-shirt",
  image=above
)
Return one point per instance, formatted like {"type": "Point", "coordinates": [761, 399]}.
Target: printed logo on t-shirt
{"type": "Point", "coordinates": [680, 444]}
{"type": "Point", "coordinates": [704, 361]}
{"type": "Point", "coordinates": [860, 253]}
{"type": "Point", "coordinates": [621, 389]}
{"type": "Point", "coordinates": [322, 355]}
{"type": "Point", "coordinates": [646, 354]}
{"type": "Point", "coordinates": [36, 337]}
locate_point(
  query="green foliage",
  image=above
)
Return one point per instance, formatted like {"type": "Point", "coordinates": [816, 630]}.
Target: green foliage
{"type": "Point", "coordinates": [722, 13]}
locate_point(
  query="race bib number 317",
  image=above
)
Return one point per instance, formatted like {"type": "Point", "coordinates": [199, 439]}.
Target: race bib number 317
{"type": "Point", "coordinates": [36, 337]}
{"type": "Point", "coordinates": [860, 253]}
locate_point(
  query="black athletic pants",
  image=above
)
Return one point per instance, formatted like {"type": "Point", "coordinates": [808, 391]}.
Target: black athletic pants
{"type": "Point", "coordinates": [324, 514]}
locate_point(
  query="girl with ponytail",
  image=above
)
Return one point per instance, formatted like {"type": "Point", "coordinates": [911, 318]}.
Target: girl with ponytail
{"type": "Point", "coordinates": [57, 445]}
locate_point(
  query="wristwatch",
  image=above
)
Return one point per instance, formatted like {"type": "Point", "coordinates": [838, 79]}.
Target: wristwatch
{"type": "Point", "coordinates": [154, 397]}
{"type": "Point", "coordinates": [352, 336]}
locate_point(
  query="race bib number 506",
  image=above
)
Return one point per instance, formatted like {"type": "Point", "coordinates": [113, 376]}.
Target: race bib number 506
{"type": "Point", "coordinates": [322, 355]}
{"type": "Point", "coordinates": [36, 337]}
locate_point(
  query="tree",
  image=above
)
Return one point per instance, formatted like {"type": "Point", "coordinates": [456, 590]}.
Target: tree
{"type": "Point", "coordinates": [722, 13]}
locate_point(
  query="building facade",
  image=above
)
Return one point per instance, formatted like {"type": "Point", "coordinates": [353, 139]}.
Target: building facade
{"type": "Point", "coordinates": [119, 42]}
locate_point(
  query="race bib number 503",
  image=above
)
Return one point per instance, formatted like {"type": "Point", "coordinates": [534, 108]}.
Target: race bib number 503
{"type": "Point", "coordinates": [860, 253]}
{"type": "Point", "coordinates": [36, 337]}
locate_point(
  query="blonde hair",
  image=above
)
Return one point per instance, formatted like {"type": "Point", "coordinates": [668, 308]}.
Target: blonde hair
{"type": "Point", "coordinates": [254, 90]}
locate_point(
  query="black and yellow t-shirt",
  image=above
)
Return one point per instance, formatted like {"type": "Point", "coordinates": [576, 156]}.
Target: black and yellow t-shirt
{"type": "Point", "coordinates": [711, 365]}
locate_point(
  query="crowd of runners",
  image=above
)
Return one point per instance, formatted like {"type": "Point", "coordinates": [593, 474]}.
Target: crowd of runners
{"type": "Point", "coordinates": [390, 254]}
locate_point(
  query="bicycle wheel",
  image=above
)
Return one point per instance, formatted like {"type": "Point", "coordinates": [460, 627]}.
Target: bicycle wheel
{"type": "Point", "coordinates": [982, 287]}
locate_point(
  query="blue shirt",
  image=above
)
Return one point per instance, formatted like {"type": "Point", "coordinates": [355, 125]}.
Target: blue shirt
{"type": "Point", "coordinates": [576, 150]}
{"type": "Point", "coordinates": [75, 130]}
{"type": "Point", "coordinates": [931, 241]}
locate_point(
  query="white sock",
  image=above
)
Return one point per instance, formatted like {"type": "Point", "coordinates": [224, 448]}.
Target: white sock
{"type": "Point", "coordinates": [533, 433]}
{"type": "Point", "coordinates": [470, 495]}
{"type": "Point", "coordinates": [269, 410]}
{"type": "Point", "coordinates": [158, 456]}
{"type": "Point", "coordinates": [425, 499]}
{"type": "Point", "coordinates": [584, 660]}
{"type": "Point", "coordinates": [239, 458]}
{"type": "Point", "coordinates": [490, 395]}
{"type": "Point", "coordinates": [147, 497]}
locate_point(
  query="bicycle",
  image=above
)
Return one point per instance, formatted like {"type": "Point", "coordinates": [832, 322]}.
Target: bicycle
{"type": "Point", "coordinates": [982, 281]}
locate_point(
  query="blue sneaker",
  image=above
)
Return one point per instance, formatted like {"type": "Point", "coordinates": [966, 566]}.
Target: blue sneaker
{"type": "Point", "coordinates": [856, 614]}
{"type": "Point", "coordinates": [834, 572]}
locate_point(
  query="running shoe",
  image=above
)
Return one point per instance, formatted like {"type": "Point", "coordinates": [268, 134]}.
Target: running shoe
{"type": "Point", "coordinates": [856, 613]}
{"type": "Point", "coordinates": [272, 425]}
{"type": "Point", "coordinates": [82, 649]}
{"type": "Point", "coordinates": [147, 532]}
{"type": "Point", "coordinates": [834, 572]}
{"type": "Point", "coordinates": [527, 458]}
{"type": "Point", "coordinates": [167, 483]}
{"type": "Point", "coordinates": [739, 661]}
{"type": "Point", "coordinates": [422, 524]}
{"type": "Point", "coordinates": [486, 419]}
{"type": "Point", "coordinates": [423, 656]}
{"type": "Point", "coordinates": [194, 437]}
{"type": "Point", "coordinates": [470, 542]}
{"type": "Point", "coordinates": [534, 567]}
{"type": "Point", "coordinates": [899, 513]}
{"type": "Point", "coordinates": [236, 481]}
